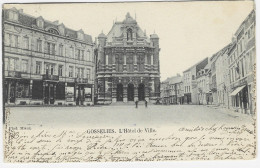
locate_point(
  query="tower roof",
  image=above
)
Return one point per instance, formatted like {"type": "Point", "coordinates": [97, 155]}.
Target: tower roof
{"type": "Point", "coordinates": [102, 35]}
{"type": "Point", "coordinates": [129, 19]}
{"type": "Point", "coordinates": [154, 36]}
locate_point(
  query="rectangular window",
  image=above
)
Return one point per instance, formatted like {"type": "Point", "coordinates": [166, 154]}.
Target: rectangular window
{"type": "Point", "coordinates": [106, 59]}
{"type": "Point", "coordinates": [39, 45]}
{"type": "Point", "coordinates": [247, 63]}
{"type": "Point", "coordinates": [70, 71]}
{"type": "Point", "coordinates": [61, 50]}
{"type": "Point", "coordinates": [24, 67]}
{"type": "Point", "coordinates": [48, 48]}
{"type": "Point", "coordinates": [71, 52]}
{"type": "Point", "coordinates": [60, 70]}
{"type": "Point", "coordinates": [252, 29]}
{"type": "Point", "coordinates": [14, 40]}
{"type": "Point", "coordinates": [77, 54]}
{"type": "Point", "coordinates": [7, 39]}
{"type": "Point", "coordinates": [88, 55]}
{"type": "Point", "coordinates": [38, 67]}
{"type": "Point", "coordinates": [26, 43]}
{"type": "Point", "coordinates": [13, 64]}
{"type": "Point", "coordinates": [82, 54]}
{"type": "Point", "coordinates": [88, 74]}
{"type": "Point", "coordinates": [52, 69]}
{"type": "Point", "coordinates": [77, 72]}
{"type": "Point", "coordinates": [249, 34]}
{"type": "Point", "coordinates": [82, 73]}
{"type": "Point", "coordinates": [53, 49]}
{"type": "Point", "coordinates": [241, 67]}
{"type": "Point", "coordinates": [250, 61]}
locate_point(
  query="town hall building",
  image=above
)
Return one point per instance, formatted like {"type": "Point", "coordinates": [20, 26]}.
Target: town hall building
{"type": "Point", "coordinates": [128, 67]}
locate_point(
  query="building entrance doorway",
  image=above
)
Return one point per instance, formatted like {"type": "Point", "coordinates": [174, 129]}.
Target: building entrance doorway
{"type": "Point", "coordinates": [49, 94]}
{"type": "Point", "coordinates": [141, 92]}
{"type": "Point", "coordinates": [130, 92]}
{"type": "Point", "coordinates": [12, 92]}
{"type": "Point", "coordinates": [80, 95]}
{"type": "Point", "coordinates": [119, 92]}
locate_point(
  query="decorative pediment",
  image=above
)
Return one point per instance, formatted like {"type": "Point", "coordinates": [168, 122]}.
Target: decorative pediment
{"type": "Point", "coordinates": [52, 30]}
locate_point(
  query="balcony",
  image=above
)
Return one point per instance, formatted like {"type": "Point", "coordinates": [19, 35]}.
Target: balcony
{"type": "Point", "coordinates": [50, 77]}
{"type": "Point", "coordinates": [81, 80]}
{"type": "Point", "coordinates": [13, 74]}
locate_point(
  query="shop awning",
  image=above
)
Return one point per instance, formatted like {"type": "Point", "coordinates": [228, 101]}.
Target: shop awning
{"type": "Point", "coordinates": [235, 92]}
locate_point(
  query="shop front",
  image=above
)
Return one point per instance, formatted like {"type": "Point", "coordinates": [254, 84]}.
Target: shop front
{"type": "Point", "coordinates": [187, 98]}
{"type": "Point", "coordinates": [239, 98]}
{"type": "Point", "coordinates": [17, 91]}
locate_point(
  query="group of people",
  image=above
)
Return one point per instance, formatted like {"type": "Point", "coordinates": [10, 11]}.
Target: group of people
{"type": "Point", "coordinates": [136, 103]}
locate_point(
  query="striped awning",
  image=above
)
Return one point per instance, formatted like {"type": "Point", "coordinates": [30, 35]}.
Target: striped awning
{"type": "Point", "coordinates": [235, 92]}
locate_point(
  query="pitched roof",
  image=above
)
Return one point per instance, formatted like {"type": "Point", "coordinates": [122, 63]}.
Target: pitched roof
{"type": "Point", "coordinates": [173, 80]}
{"type": "Point", "coordinates": [30, 21]}
{"type": "Point", "coordinates": [117, 29]}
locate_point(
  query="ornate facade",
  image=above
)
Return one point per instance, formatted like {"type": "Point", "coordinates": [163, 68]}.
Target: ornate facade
{"type": "Point", "coordinates": [128, 66]}
{"type": "Point", "coordinates": [46, 62]}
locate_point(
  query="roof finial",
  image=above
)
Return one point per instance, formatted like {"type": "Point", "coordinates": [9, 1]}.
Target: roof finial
{"type": "Point", "coordinates": [153, 31]}
{"type": "Point", "coordinates": [102, 31]}
{"type": "Point", "coordinates": [116, 19]}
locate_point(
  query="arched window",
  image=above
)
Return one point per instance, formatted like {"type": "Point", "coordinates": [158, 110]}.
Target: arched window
{"type": "Point", "coordinates": [53, 31]}
{"type": "Point", "coordinates": [129, 34]}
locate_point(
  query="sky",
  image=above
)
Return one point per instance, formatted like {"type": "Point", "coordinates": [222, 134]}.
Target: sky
{"type": "Point", "coordinates": [188, 31]}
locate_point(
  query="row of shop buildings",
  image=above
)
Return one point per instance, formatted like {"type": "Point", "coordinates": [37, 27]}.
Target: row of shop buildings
{"type": "Point", "coordinates": [48, 63]}
{"type": "Point", "coordinates": [226, 79]}
{"type": "Point", "coordinates": [45, 62]}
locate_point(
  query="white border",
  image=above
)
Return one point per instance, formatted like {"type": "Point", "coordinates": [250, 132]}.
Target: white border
{"type": "Point", "coordinates": [172, 164]}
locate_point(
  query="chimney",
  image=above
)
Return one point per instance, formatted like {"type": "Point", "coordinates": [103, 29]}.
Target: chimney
{"type": "Point", "coordinates": [20, 10]}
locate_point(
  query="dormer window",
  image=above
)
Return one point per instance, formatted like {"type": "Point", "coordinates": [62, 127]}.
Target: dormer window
{"type": "Point", "coordinates": [80, 36]}
{"type": "Point", "coordinates": [12, 15]}
{"type": "Point", "coordinates": [40, 23]}
{"type": "Point", "coordinates": [129, 34]}
{"type": "Point", "coordinates": [61, 29]}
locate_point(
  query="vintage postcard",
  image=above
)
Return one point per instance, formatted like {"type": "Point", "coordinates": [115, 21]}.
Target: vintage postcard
{"type": "Point", "coordinates": [129, 82]}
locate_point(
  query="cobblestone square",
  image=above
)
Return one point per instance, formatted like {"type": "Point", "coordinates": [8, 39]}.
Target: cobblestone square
{"type": "Point", "coordinates": [153, 115]}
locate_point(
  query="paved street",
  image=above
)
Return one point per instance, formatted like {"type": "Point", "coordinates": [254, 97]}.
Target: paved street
{"type": "Point", "coordinates": [124, 116]}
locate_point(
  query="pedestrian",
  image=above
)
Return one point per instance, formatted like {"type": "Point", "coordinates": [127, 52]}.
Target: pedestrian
{"type": "Point", "coordinates": [145, 103]}
{"type": "Point", "coordinates": [136, 104]}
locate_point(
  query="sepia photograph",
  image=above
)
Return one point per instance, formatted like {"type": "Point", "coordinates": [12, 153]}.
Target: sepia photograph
{"type": "Point", "coordinates": [129, 81]}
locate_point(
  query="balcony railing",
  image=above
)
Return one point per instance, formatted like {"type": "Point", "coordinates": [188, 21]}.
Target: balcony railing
{"type": "Point", "coordinates": [50, 77]}
{"type": "Point", "coordinates": [81, 80]}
